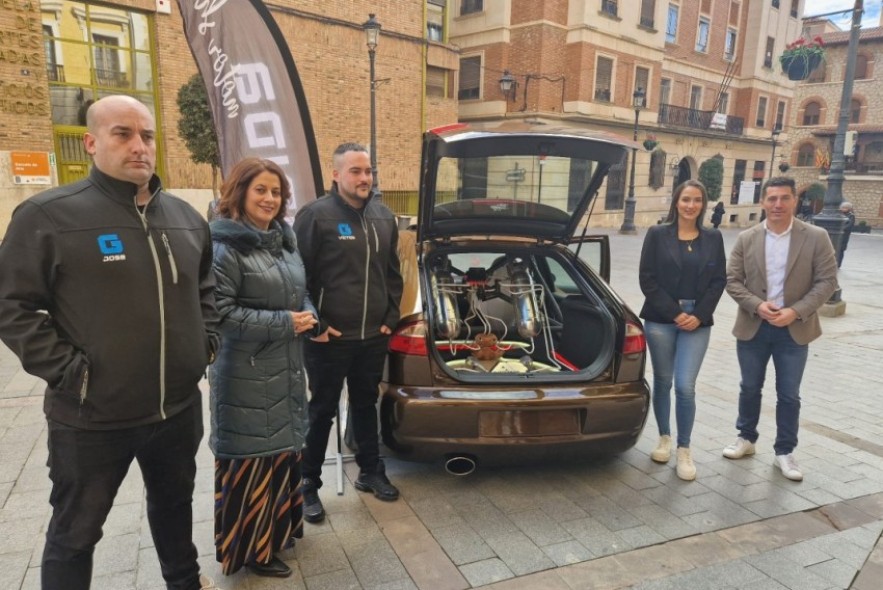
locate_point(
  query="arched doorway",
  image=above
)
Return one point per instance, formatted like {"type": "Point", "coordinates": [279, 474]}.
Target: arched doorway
{"type": "Point", "coordinates": [682, 172]}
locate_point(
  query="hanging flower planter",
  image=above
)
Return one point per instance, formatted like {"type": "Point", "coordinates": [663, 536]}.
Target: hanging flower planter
{"type": "Point", "coordinates": [650, 144]}
{"type": "Point", "coordinates": [802, 57]}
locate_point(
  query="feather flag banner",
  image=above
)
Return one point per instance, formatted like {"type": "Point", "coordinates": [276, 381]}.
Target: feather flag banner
{"type": "Point", "coordinates": [256, 97]}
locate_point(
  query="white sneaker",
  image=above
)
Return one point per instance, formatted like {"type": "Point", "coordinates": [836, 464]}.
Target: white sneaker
{"type": "Point", "coordinates": [662, 452]}
{"type": "Point", "coordinates": [686, 470]}
{"type": "Point", "coordinates": [206, 583]}
{"type": "Point", "coordinates": [788, 465]}
{"type": "Point", "coordinates": [739, 449]}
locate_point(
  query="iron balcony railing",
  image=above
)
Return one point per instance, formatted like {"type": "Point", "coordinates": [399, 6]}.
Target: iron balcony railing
{"type": "Point", "coordinates": [696, 119]}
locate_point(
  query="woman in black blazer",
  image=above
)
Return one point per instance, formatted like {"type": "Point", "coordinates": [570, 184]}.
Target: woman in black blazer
{"type": "Point", "coordinates": [683, 274]}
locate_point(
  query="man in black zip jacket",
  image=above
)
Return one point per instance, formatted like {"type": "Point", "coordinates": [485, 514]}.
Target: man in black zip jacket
{"type": "Point", "coordinates": [106, 293]}
{"type": "Point", "coordinates": [348, 243]}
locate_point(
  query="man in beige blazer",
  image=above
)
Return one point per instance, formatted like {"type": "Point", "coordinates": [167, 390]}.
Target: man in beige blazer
{"type": "Point", "coordinates": [781, 271]}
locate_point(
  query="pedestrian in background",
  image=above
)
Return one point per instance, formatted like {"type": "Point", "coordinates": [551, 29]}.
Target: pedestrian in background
{"type": "Point", "coordinates": [682, 274]}
{"type": "Point", "coordinates": [258, 386]}
{"type": "Point", "coordinates": [717, 215]}
{"type": "Point", "coordinates": [348, 241]}
{"type": "Point", "coordinates": [780, 273]}
{"type": "Point", "coordinates": [846, 210]}
{"type": "Point", "coordinates": [106, 293]}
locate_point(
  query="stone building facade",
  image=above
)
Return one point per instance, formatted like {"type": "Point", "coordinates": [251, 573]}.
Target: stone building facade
{"type": "Point", "coordinates": [816, 114]}
{"type": "Point", "coordinates": [58, 55]}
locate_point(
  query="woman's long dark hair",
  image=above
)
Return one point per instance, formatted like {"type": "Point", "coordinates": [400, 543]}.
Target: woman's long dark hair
{"type": "Point", "coordinates": [232, 201]}
{"type": "Point", "coordinates": [676, 196]}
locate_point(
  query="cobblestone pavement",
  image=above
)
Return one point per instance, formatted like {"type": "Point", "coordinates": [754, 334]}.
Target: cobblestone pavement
{"type": "Point", "coordinates": [618, 522]}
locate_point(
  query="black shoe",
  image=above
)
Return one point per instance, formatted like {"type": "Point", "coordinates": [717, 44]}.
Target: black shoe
{"type": "Point", "coordinates": [378, 483]}
{"type": "Point", "coordinates": [275, 569]}
{"type": "Point", "coordinates": [313, 510]}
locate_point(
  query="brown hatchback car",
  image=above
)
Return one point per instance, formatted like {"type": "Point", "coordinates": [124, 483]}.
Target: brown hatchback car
{"type": "Point", "coordinates": [512, 346]}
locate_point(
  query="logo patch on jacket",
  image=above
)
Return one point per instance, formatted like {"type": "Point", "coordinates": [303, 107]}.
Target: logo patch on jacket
{"type": "Point", "coordinates": [345, 232]}
{"type": "Point", "coordinates": [111, 247]}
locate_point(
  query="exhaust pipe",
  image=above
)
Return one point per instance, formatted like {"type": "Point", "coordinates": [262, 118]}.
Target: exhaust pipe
{"type": "Point", "coordinates": [460, 464]}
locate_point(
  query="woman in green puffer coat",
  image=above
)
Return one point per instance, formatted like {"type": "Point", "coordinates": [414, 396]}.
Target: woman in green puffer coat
{"type": "Point", "coordinates": [258, 389]}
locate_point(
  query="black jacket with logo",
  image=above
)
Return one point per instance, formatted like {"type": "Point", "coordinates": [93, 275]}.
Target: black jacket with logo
{"type": "Point", "coordinates": [112, 307]}
{"type": "Point", "coordinates": [352, 264]}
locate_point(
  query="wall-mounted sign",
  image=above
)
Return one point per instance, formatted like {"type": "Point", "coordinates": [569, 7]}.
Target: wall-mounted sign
{"type": "Point", "coordinates": [31, 168]}
{"type": "Point", "coordinates": [746, 192]}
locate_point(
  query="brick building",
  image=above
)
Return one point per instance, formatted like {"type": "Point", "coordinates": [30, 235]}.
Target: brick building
{"type": "Point", "coordinates": [708, 69]}
{"type": "Point", "coordinates": [816, 112]}
{"type": "Point", "coordinates": [58, 55]}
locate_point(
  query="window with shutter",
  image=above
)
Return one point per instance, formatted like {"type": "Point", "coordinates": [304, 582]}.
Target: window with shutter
{"type": "Point", "coordinates": [730, 46]}
{"type": "Point", "coordinates": [861, 66]}
{"type": "Point", "coordinates": [812, 113]}
{"type": "Point", "coordinates": [642, 81]}
{"type": "Point", "coordinates": [470, 78]}
{"type": "Point", "coordinates": [610, 7]}
{"type": "Point", "coordinates": [648, 9]}
{"type": "Point", "coordinates": [437, 82]}
{"type": "Point", "coordinates": [603, 78]}
{"type": "Point", "coordinates": [761, 112]}
{"type": "Point", "coordinates": [435, 21]}
{"type": "Point", "coordinates": [855, 111]}
{"type": "Point", "coordinates": [471, 6]}
{"type": "Point", "coordinates": [806, 155]}
{"type": "Point", "coordinates": [665, 91]}
{"type": "Point", "coordinates": [702, 35]}
{"type": "Point", "coordinates": [724, 104]}
{"type": "Point", "coordinates": [780, 115]}
{"type": "Point", "coordinates": [671, 27]}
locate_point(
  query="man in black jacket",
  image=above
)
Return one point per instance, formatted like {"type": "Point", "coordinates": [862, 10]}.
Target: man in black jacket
{"type": "Point", "coordinates": [106, 293]}
{"type": "Point", "coordinates": [348, 243]}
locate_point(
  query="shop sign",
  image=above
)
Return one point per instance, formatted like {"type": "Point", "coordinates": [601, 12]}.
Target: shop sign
{"type": "Point", "coordinates": [31, 168]}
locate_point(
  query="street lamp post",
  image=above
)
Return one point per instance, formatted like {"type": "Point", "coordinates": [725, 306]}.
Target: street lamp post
{"type": "Point", "coordinates": [628, 220]}
{"type": "Point", "coordinates": [773, 138]}
{"type": "Point", "coordinates": [372, 35]}
{"type": "Point", "coordinates": [830, 217]}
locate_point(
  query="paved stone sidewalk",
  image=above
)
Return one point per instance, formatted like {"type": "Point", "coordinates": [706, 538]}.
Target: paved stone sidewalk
{"type": "Point", "coordinates": [613, 522]}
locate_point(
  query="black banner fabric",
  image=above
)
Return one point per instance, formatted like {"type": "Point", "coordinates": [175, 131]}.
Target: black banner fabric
{"type": "Point", "coordinates": [256, 97]}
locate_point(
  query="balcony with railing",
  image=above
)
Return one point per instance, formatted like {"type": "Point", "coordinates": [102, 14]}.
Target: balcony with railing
{"type": "Point", "coordinates": [696, 119]}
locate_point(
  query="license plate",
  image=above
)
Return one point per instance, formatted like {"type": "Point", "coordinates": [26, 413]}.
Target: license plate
{"type": "Point", "coordinates": [529, 423]}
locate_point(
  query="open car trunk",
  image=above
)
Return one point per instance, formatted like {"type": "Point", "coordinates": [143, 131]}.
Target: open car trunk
{"type": "Point", "coordinates": [514, 313]}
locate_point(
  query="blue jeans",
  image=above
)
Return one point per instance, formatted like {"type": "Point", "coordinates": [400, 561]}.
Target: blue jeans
{"type": "Point", "coordinates": [87, 467]}
{"type": "Point", "coordinates": [789, 359]}
{"type": "Point", "coordinates": [676, 356]}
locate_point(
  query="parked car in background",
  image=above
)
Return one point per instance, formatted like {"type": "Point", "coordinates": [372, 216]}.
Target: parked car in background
{"type": "Point", "coordinates": [512, 345]}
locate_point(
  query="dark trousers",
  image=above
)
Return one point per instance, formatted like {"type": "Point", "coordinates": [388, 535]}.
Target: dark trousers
{"type": "Point", "coordinates": [87, 467]}
{"type": "Point", "coordinates": [328, 364]}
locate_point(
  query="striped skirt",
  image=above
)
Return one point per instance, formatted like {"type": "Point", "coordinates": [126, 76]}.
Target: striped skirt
{"type": "Point", "coordinates": [258, 508]}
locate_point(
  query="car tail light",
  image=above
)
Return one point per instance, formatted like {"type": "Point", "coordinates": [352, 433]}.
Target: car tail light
{"type": "Point", "coordinates": [634, 339]}
{"type": "Point", "coordinates": [410, 339]}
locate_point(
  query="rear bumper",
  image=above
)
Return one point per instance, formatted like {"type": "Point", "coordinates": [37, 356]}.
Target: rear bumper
{"type": "Point", "coordinates": [425, 424]}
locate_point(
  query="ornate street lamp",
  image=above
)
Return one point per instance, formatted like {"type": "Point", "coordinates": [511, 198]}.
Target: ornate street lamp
{"type": "Point", "coordinates": [628, 221]}
{"type": "Point", "coordinates": [372, 36]}
{"type": "Point", "coordinates": [830, 217]}
{"type": "Point", "coordinates": [508, 85]}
